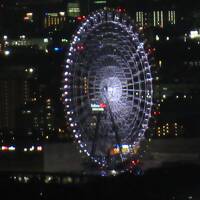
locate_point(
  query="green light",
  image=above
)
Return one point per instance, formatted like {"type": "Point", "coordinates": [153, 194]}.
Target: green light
{"type": "Point", "coordinates": [100, 2]}
{"type": "Point", "coordinates": [98, 109]}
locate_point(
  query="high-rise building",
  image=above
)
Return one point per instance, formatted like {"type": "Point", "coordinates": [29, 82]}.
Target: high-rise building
{"type": "Point", "coordinates": [15, 90]}
{"type": "Point", "coordinates": [38, 118]}
{"type": "Point", "coordinates": [156, 18]}
{"type": "Point", "coordinates": [53, 19]}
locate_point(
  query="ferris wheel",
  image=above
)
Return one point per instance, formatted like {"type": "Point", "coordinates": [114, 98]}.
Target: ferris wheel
{"type": "Point", "coordinates": [107, 89]}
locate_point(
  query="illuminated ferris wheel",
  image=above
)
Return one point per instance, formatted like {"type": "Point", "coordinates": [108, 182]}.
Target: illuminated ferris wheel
{"type": "Point", "coordinates": [107, 88]}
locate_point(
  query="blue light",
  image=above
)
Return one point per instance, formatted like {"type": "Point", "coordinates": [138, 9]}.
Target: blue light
{"type": "Point", "coordinates": [56, 49]}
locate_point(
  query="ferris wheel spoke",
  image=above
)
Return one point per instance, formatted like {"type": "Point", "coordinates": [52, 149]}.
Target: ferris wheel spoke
{"type": "Point", "coordinates": [96, 134]}
{"type": "Point", "coordinates": [115, 128]}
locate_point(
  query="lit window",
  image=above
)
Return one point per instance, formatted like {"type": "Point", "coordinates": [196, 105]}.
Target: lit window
{"type": "Point", "coordinates": [73, 9]}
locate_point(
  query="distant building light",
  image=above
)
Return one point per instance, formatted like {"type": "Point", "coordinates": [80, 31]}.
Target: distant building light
{"type": "Point", "coordinates": [57, 49]}
{"type": "Point", "coordinates": [167, 38]}
{"type": "Point", "coordinates": [22, 36]}
{"type": "Point", "coordinates": [46, 40]}
{"type": "Point", "coordinates": [6, 52]}
{"type": "Point", "coordinates": [52, 14]}
{"type": "Point", "coordinates": [30, 14]}
{"type": "Point", "coordinates": [62, 13]}
{"type": "Point", "coordinates": [64, 40]}
{"type": "Point", "coordinates": [100, 2]}
{"type": "Point", "coordinates": [164, 96]}
{"type": "Point", "coordinates": [5, 37]}
{"type": "Point", "coordinates": [31, 70]}
{"type": "Point", "coordinates": [73, 9]}
{"type": "Point", "coordinates": [160, 63]}
{"type": "Point", "coordinates": [157, 38]}
{"type": "Point", "coordinates": [194, 34]}
{"type": "Point", "coordinates": [39, 148]}
{"type": "Point", "coordinates": [32, 148]}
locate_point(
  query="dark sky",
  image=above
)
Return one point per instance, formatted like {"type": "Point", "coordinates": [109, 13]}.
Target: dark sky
{"type": "Point", "coordinates": [144, 3]}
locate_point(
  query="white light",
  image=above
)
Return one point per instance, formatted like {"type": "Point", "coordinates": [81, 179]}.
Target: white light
{"type": "Point", "coordinates": [22, 36]}
{"type": "Point", "coordinates": [39, 148]}
{"type": "Point", "coordinates": [167, 38]}
{"type": "Point", "coordinates": [11, 148]}
{"type": "Point", "coordinates": [5, 37]}
{"type": "Point", "coordinates": [114, 173]}
{"type": "Point", "coordinates": [88, 154]}
{"type": "Point", "coordinates": [31, 70]}
{"type": "Point", "coordinates": [32, 148]}
{"type": "Point", "coordinates": [157, 38]}
{"type": "Point", "coordinates": [46, 40]}
{"type": "Point", "coordinates": [62, 13]}
{"type": "Point", "coordinates": [6, 52]}
{"type": "Point", "coordinates": [194, 34]}
{"type": "Point", "coordinates": [72, 125]}
{"type": "Point", "coordinates": [25, 149]}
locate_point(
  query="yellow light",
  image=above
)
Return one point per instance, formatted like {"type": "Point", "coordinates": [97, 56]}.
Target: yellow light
{"type": "Point", "coordinates": [160, 63]}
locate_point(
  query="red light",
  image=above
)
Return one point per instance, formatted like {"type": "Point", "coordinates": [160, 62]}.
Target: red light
{"type": "Point", "coordinates": [4, 148]}
{"type": "Point", "coordinates": [120, 9]}
{"type": "Point", "coordinates": [135, 162]}
{"type": "Point", "coordinates": [80, 47]}
{"type": "Point", "coordinates": [151, 50]}
{"type": "Point", "coordinates": [103, 105]}
{"type": "Point", "coordinates": [156, 113]}
{"type": "Point", "coordinates": [81, 18]}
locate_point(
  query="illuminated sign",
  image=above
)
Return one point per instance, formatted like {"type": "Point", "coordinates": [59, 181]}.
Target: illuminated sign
{"type": "Point", "coordinates": [124, 148]}
{"type": "Point", "coordinates": [98, 107]}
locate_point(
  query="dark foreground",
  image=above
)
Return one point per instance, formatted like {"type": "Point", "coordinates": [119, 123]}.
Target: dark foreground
{"type": "Point", "coordinates": [171, 182]}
